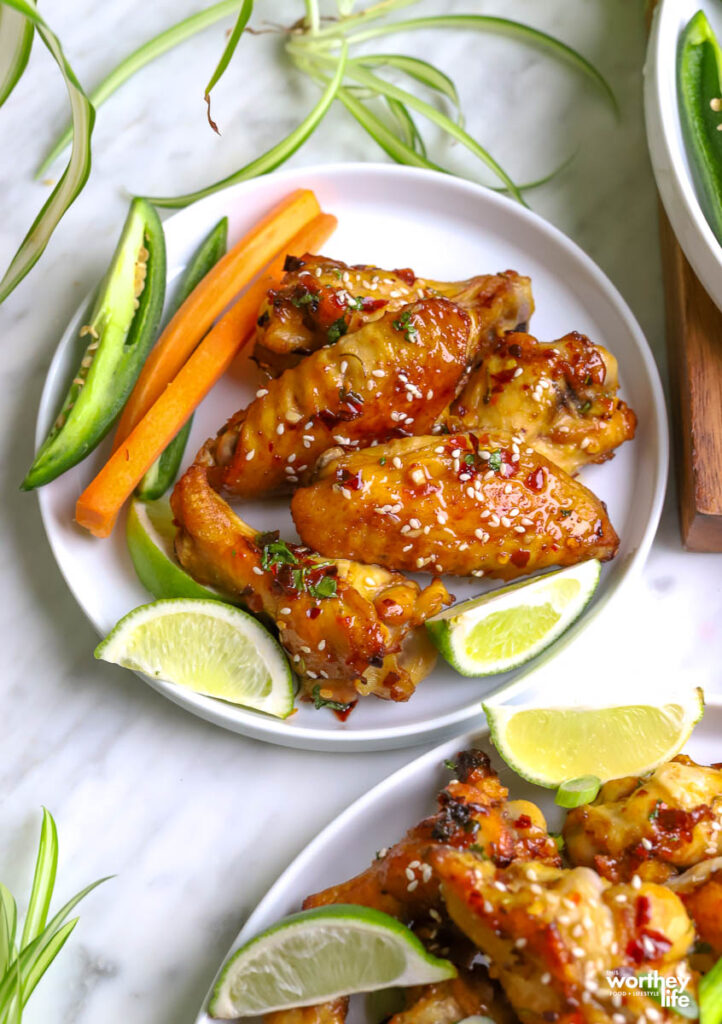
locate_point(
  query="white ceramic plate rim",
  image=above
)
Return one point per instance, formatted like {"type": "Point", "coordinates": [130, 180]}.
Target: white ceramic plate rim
{"type": "Point", "coordinates": [283, 732]}
{"type": "Point", "coordinates": [666, 147]}
{"type": "Point", "coordinates": [287, 879]}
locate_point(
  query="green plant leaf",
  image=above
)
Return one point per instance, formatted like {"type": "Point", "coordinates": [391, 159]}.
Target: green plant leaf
{"type": "Point", "coordinates": [8, 925]}
{"type": "Point", "coordinates": [384, 88]}
{"type": "Point", "coordinates": [154, 48]}
{"type": "Point", "coordinates": [377, 10]}
{"type": "Point", "coordinates": [75, 174]}
{"type": "Point", "coordinates": [420, 70]}
{"type": "Point", "coordinates": [501, 26]}
{"type": "Point", "coordinates": [230, 48]}
{"type": "Point", "coordinates": [397, 149]}
{"type": "Point", "coordinates": [44, 959]}
{"type": "Point", "coordinates": [16, 40]}
{"type": "Point", "coordinates": [275, 156]}
{"type": "Point", "coordinates": [41, 893]}
{"type": "Point", "coordinates": [411, 135]}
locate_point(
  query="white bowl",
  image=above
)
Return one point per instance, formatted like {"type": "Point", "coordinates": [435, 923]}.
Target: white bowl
{"type": "Point", "coordinates": [666, 144]}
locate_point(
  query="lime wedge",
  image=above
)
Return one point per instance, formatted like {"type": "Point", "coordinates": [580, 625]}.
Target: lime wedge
{"type": "Point", "coordinates": [501, 630]}
{"type": "Point", "coordinates": [550, 745]}
{"type": "Point", "coordinates": [212, 648]}
{"type": "Point", "coordinates": [319, 955]}
{"type": "Point", "coordinates": [150, 533]}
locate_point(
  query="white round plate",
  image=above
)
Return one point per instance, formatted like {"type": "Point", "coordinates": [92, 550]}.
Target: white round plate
{"type": "Point", "coordinates": [666, 144]}
{"type": "Point", "coordinates": [379, 819]}
{"type": "Point", "coordinates": [443, 227]}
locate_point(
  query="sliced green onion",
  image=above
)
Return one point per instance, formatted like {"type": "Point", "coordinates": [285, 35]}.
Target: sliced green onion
{"type": "Point", "coordinates": [576, 792]}
{"type": "Point", "coordinates": [146, 53]}
{"type": "Point", "coordinates": [710, 996]}
{"type": "Point", "coordinates": [230, 48]}
{"type": "Point", "coordinates": [16, 40]}
{"type": "Point", "coordinates": [275, 156]}
{"type": "Point", "coordinates": [75, 174]}
{"type": "Point", "coordinates": [501, 26]}
{"type": "Point", "coordinates": [46, 866]}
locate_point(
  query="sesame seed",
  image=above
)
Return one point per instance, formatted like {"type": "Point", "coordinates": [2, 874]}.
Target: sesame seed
{"type": "Point", "coordinates": [520, 943]}
{"type": "Point", "coordinates": [488, 908]}
{"type": "Point", "coordinates": [578, 953]}
{"type": "Point", "coordinates": [280, 428]}
{"type": "Point", "coordinates": [636, 882]}
{"type": "Point", "coordinates": [415, 524]}
{"type": "Point", "coordinates": [250, 455]}
{"type": "Point", "coordinates": [378, 373]}
{"type": "Point", "coordinates": [520, 529]}
{"type": "Point", "coordinates": [505, 521]}
{"type": "Point", "coordinates": [321, 644]}
{"type": "Point", "coordinates": [646, 843]}
{"type": "Point", "coordinates": [412, 885]}
{"type": "Point", "coordinates": [507, 488]}
{"type": "Point", "coordinates": [545, 978]}
{"type": "Point", "coordinates": [261, 392]}
{"type": "Point", "coordinates": [500, 886]}
{"type": "Point", "coordinates": [258, 572]}
{"type": "Point", "coordinates": [397, 463]}
{"type": "Point", "coordinates": [285, 611]}
{"type": "Point", "coordinates": [518, 372]}
{"type": "Point", "coordinates": [409, 873]}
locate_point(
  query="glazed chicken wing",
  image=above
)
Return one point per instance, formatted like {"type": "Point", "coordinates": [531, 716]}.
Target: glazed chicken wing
{"type": "Point", "coordinates": [470, 994]}
{"type": "Point", "coordinates": [654, 826]}
{"type": "Point", "coordinates": [320, 299]}
{"type": "Point", "coordinates": [559, 397]}
{"type": "Point", "coordinates": [700, 889]}
{"type": "Point", "coordinates": [349, 629]}
{"type": "Point", "coordinates": [463, 504]}
{"type": "Point", "coordinates": [474, 811]}
{"type": "Point", "coordinates": [326, 1013]}
{"type": "Point", "coordinates": [392, 377]}
{"type": "Point", "coordinates": [554, 936]}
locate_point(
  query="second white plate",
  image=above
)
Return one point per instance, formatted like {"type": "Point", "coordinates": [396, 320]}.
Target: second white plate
{"type": "Point", "coordinates": [443, 227]}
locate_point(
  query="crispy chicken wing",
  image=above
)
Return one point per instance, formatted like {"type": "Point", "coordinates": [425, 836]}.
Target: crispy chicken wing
{"type": "Point", "coordinates": [559, 397]}
{"type": "Point", "coordinates": [471, 993]}
{"type": "Point", "coordinates": [349, 629]}
{"type": "Point", "coordinates": [321, 299]}
{"type": "Point", "coordinates": [391, 378]}
{"type": "Point", "coordinates": [669, 820]}
{"type": "Point", "coordinates": [700, 889]}
{"type": "Point", "coordinates": [326, 1013]}
{"type": "Point", "coordinates": [463, 504]}
{"type": "Point", "coordinates": [553, 936]}
{"type": "Point", "coordinates": [474, 811]}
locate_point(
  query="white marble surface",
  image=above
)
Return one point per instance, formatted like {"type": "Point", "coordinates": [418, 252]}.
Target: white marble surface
{"type": "Point", "coordinates": [196, 822]}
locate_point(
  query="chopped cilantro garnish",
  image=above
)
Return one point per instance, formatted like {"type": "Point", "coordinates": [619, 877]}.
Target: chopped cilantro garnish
{"type": "Point", "coordinates": [451, 765]}
{"type": "Point", "coordinates": [337, 272]}
{"type": "Point", "coordinates": [382, 460]}
{"type": "Point", "coordinates": [305, 299]}
{"type": "Point", "coordinates": [325, 587]}
{"type": "Point", "coordinates": [277, 553]}
{"type": "Point", "coordinates": [559, 840]}
{"type": "Point", "coordinates": [495, 460]}
{"type": "Point", "coordinates": [337, 329]}
{"type": "Point", "coordinates": [566, 512]}
{"type": "Point", "coordinates": [470, 459]}
{"type": "Point", "coordinates": [585, 407]}
{"type": "Point", "coordinates": [654, 813]}
{"type": "Point", "coordinates": [404, 324]}
{"type": "Point", "coordinates": [355, 302]}
{"type": "Point", "coordinates": [323, 702]}
{"type": "Point", "coordinates": [479, 851]}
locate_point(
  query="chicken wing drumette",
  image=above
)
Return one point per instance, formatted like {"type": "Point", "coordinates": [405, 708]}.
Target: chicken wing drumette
{"type": "Point", "coordinates": [559, 397]}
{"type": "Point", "coordinates": [320, 299]}
{"type": "Point", "coordinates": [349, 629]}
{"type": "Point", "coordinates": [391, 378]}
{"type": "Point", "coordinates": [554, 936]}
{"type": "Point", "coordinates": [464, 504]}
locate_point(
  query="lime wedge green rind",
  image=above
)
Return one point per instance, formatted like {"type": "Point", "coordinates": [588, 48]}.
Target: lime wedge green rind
{"type": "Point", "coordinates": [550, 745]}
{"type": "Point", "coordinates": [211, 648]}
{"type": "Point", "coordinates": [502, 630]}
{"type": "Point", "coordinates": [150, 533]}
{"type": "Point", "coordinates": [324, 953]}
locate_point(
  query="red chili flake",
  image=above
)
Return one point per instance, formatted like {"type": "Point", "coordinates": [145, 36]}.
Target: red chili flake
{"type": "Point", "coordinates": [508, 468]}
{"type": "Point", "coordinates": [654, 946]}
{"type": "Point", "coordinates": [523, 821]}
{"type": "Point", "coordinates": [351, 481]}
{"type": "Point", "coordinates": [502, 377]}
{"type": "Point", "coordinates": [313, 613]}
{"type": "Point", "coordinates": [369, 305]}
{"type": "Point", "coordinates": [643, 912]}
{"type": "Point", "coordinates": [535, 479]}
{"type": "Point", "coordinates": [520, 558]}
{"type": "Point", "coordinates": [343, 715]}
{"type": "Point", "coordinates": [407, 275]}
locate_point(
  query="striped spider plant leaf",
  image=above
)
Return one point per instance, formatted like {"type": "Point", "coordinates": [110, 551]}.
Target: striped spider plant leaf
{"type": "Point", "coordinates": [229, 49]}
{"type": "Point", "coordinates": [16, 40]}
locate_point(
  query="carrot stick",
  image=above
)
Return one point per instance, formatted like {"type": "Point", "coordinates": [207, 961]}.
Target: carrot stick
{"type": "Point", "coordinates": [208, 300]}
{"type": "Point", "coordinates": [98, 506]}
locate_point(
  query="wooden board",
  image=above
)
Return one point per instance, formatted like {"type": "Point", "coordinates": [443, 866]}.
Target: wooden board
{"type": "Point", "coordinates": [694, 347]}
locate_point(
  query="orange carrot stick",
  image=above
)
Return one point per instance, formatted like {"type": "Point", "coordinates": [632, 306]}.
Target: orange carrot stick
{"type": "Point", "coordinates": [208, 300]}
{"type": "Point", "coordinates": [98, 506]}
